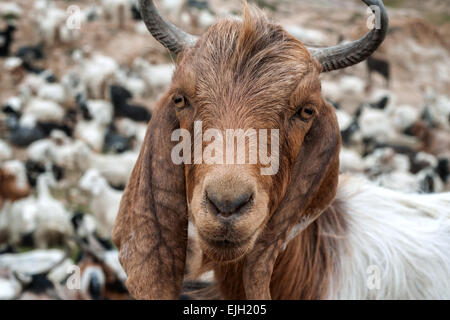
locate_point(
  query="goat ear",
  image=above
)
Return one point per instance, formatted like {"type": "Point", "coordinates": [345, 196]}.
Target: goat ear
{"type": "Point", "coordinates": [312, 189]}
{"type": "Point", "coordinates": [316, 170]}
{"type": "Point", "coordinates": [151, 226]}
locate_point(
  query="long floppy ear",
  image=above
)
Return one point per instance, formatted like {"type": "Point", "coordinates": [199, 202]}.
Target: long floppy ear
{"type": "Point", "coordinates": [151, 226]}
{"type": "Point", "coordinates": [312, 189]}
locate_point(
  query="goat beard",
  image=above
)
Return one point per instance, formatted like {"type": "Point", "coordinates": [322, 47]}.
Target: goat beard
{"type": "Point", "coordinates": [228, 254]}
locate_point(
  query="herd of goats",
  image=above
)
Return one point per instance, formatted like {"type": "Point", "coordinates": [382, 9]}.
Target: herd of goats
{"type": "Point", "coordinates": [68, 145]}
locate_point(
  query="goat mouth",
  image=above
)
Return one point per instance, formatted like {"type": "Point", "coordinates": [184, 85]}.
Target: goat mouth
{"type": "Point", "coordinates": [225, 243]}
{"type": "Point", "coordinates": [225, 250]}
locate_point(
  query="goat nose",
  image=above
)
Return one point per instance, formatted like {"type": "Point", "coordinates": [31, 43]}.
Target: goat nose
{"type": "Point", "coordinates": [226, 206]}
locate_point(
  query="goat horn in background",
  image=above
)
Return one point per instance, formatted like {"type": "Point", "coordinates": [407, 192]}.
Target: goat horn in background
{"type": "Point", "coordinates": [166, 33]}
{"type": "Point", "coordinates": [346, 55]}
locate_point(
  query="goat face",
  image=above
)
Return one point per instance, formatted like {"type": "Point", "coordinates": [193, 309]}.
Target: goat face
{"type": "Point", "coordinates": [262, 79]}
{"type": "Point", "coordinates": [246, 75]}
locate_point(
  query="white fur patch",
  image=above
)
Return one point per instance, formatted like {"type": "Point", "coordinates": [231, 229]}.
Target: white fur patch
{"type": "Point", "coordinates": [403, 240]}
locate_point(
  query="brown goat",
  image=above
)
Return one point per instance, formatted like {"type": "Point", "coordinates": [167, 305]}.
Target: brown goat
{"type": "Point", "coordinates": [10, 190]}
{"type": "Point", "coordinates": [248, 74]}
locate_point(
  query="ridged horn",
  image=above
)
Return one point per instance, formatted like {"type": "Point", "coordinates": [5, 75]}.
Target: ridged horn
{"type": "Point", "coordinates": [170, 36]}
{"type": "Point", "coordinates": [346, 55]}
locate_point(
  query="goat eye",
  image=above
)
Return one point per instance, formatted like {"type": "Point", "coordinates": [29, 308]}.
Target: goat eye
{"type": "Point", "coordinates": [179, 101]}
{"type": "Point", "coordinates": [306, 112]}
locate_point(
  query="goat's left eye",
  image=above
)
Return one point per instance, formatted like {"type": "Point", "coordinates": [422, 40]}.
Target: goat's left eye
{"type": "Point", "coordinates": [306, 112]}
{"type": "Point", "coordinates": [180, 101]}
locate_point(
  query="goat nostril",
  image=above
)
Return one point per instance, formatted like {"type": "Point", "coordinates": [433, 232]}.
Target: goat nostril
{"type": "Point", "coordinates": [227, 207]}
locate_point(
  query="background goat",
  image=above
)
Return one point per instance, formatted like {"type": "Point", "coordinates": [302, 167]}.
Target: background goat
{"type": "Point", "coordinates": [283, 236]}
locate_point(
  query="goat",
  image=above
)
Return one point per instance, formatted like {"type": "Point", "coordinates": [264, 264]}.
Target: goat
{"type": "Point", "coordinates": [379, 66]}
{"type": "Point", "coordinates": [135, 13]}
{"type": "Point", "coordinates": [35, 169]}
{"type": "Point", "coordinates": [50, 23]}
{"type": "Point", "coordinates": [116, 168]}
{"type": "Point", "coordinates": [38, 272]}
{"type": "Point", "coordinates": [13, 181]}
{"type": "Point", "coordinates": [132, 130]}
{"type": "Point", "coordinates": [96, 71]}
{"type": "Point", "coordinates": [10, 10]}
{"type": "Point", "coordinates": [302, 232]}
{"type": "Point", "coordinates": [433, 140]}
{"type": "Point", "coordinates": [157, 77]}
{"type": "Point", "coordinates": [5, 151]}
{"type": "Point", "coordinates": [23, 134]}
{"type": "Point", "coordinates": [114, 142]}
{"type": "Point", "coordinates": [117, 10]}
{"type": "Point", "coordinates": [119, 97]}
{"type": "Point", "coordinates": [31, 52]}
{"type": "Point", "coordinates": [44, 110]}
{"type": "Point", "coordinates": [100, 279]}
{"type": "Point", "coordinates": [6, 38]}
{"type": "Point", "coordinates": [105, 200]}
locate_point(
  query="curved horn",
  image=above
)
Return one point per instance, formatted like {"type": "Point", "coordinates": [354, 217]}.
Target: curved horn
{"type": "Point", "coordinates": [166, 33]}
{"type": "Point", "coordinates": [345, 55]}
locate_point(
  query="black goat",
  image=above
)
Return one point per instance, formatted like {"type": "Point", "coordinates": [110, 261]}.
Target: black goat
{"type": "Point", "coordinates": [443, 169]}
{"type": "Point", "coordinates": [22, 136]}
{"type": "Point", "coordinates": [48, 127]}
{"type": "Point", "coordinates": [119, 97]}
{"type": "Point", "coordinates": [6, 39]}
{"type": "Point", "coordinates": [199, 4]}
{"type": "Point", "coordinates": [379, 66]}
{"type": "Point", "coordinates": [29, 53]}
{"type": "Point", "coordinates": [81, 102]}
{"type": "Point", "coordinates": [35, 169]}
{"type": "Point", "coordinates": [135, 13]}
{"type": "Point", "coordinates": [114, 142]}
{"type": "Point", "coordinates": [347, 133]}
{"type": "Point", "coordinates": [380, 104]}
{"type": "Point", "coordinates": [30, 68]}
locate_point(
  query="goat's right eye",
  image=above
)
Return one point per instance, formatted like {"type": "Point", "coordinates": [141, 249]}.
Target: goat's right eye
{"type": "Point", "coordinates": [179, 101]}
{"type": "Point", "coordinates": [306, 113]}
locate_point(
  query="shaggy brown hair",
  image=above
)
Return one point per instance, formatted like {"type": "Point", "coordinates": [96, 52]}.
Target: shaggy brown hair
{"type": "Point", "coordinates": [240, 74]}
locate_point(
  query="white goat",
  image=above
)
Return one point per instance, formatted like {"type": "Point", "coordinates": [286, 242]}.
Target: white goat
{"type": "Point", "coordinates": [96, 72]}
{"type": "Point", "coordinates": [5, 151]}
{"type": "Point", "coordinates": [42, 215]}
{"type": "Point", "coordinates": [52, 218]}
{"type": "Point", "coordinates": [104, 202]}
{"type": "Point", "coordinates": [117, 11]}
{"type": "Point", "coordinates": [157, 77]}
{"type": "Point", "coordinates": [51, 23]}
{"type": "Point", "coordinates": [116, 168]}
{"type": "Point", "coordinates": [92, 133]}
{"type": "Point", "coordinates": [44, 110]}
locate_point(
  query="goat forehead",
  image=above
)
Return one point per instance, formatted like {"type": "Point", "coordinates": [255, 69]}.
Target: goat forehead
{"type": "Point", "coordinates": [252, 75]}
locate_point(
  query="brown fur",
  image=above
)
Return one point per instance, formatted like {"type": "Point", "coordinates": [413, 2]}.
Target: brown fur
{"type": "Point", "coordinates": [8, 188]}
{"type": "Point", "coordinates": [108, 291]}
{"type": "Point", "coordinates": [151, 227]}
{"type": "Point", "coordinates": [249, 74]}
{"type": "Point", "coordinates": [435, 141]}
{"type": "Point", "coordinates": [303, 269]}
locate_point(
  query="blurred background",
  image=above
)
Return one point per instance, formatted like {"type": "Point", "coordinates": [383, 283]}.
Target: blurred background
{"type": "Point", "coordinates": [79, 80]}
